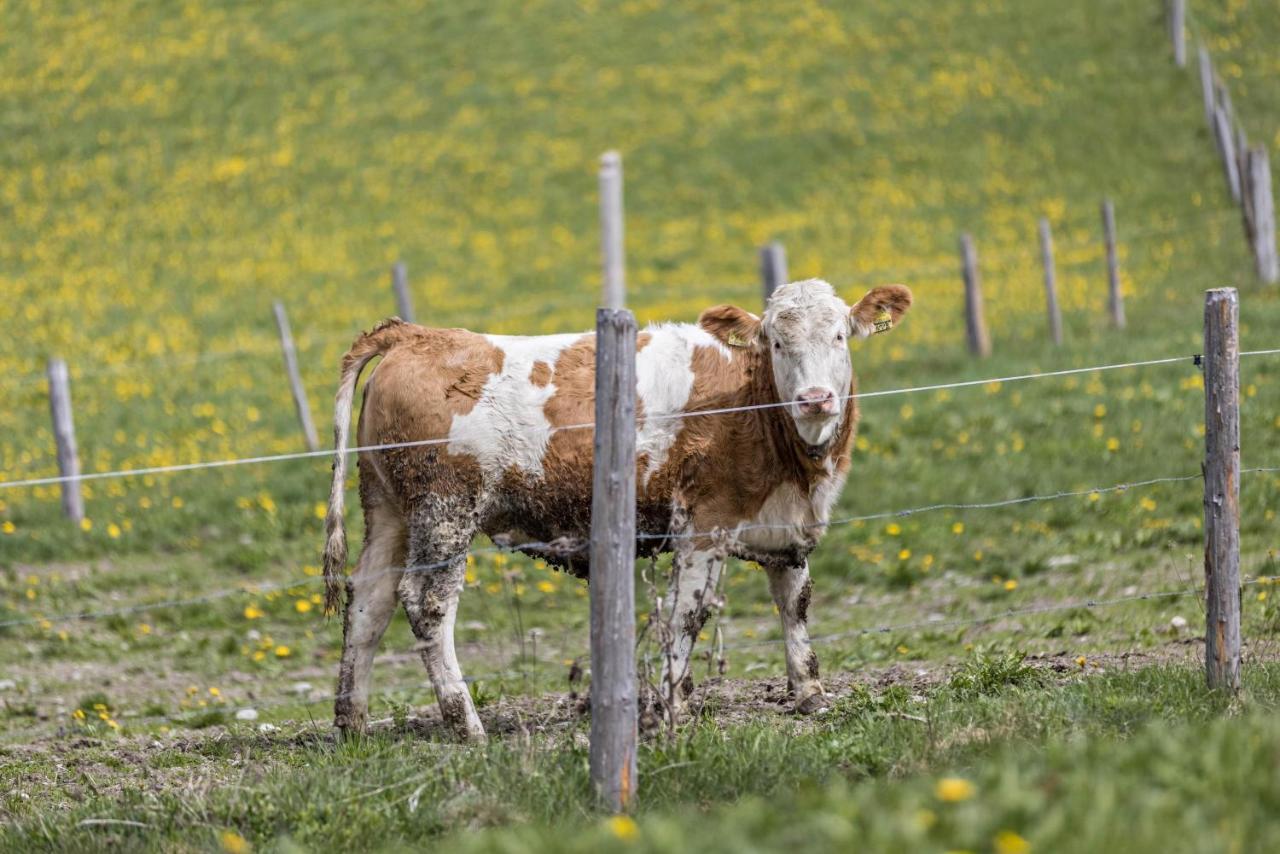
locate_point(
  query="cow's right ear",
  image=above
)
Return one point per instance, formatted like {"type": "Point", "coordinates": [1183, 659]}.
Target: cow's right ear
{"type": "Point", "coordinates": [732, 326]}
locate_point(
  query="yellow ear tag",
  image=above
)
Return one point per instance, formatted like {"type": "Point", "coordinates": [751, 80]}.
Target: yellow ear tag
{"type": "Point", "coordinates": [883, 322]}
{"type": "Point", "coordinates": [736, 340]}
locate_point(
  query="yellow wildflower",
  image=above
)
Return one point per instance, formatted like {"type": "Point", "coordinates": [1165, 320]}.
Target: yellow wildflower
{"type": "Point", "coordinates": [1008, 842]}
{"type": "Point", "coordinates": [623, 826]}
{"type": "Point", "coordinates": [954, 789]}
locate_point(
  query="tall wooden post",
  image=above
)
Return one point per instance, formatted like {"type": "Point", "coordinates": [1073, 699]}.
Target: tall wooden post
{"type": "Point", "coordinates": [611, 230]}
{"type": "Point", "coordinates": [773, 268]}
{"type": "Point", "coordinates": [1050, 281]}
{"type": "Point", "coordinates": [1227, 150]}
{"type": "Point", "coordinates": [1115, 299]}
{"type": "Point", "coordinates": [1206, 85]}
{"type": "Point", "coordinates": [295, 379]}
{"type": "Point", "coordinates": [613, 548]}
{"type": "Point", "coordinates": [1177, 28]}
{"type": "Point", "coordinates": [1260, 214]}
{"type": "Point", "coordinates": [1222, 488]}
{"type": "Point", "coordinates": [64, 437]}
{"type": "Point", "coordinates": [975, 321]}
{"type": "Point", "coordinates": [400, 284]}
{"type": "Point", "coordinates": [614, 704]}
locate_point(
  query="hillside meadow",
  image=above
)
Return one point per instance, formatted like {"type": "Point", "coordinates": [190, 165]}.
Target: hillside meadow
{"type": "Point", "coordinates": [169, 170]}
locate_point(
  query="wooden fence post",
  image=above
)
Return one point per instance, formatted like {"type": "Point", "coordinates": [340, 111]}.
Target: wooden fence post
{"type": "Point", "coordinates": [1206, 85]}
{"type": "Point", "coordinates": [295, 380]}
{"type": "Point", "coordinates": [975, 321]}
{"type": "Point", "coordinates": [1177, 25]}
{"type": "Point", "coordinates": [64, 436]}
{"type": "Point", "coordinates": [1260, 214]}
{"type": "Point", "coordinates": [613, 548]}
{"type": "Point", "coordinates": [400, 284]}
{"type": "Point", "coordinates": [1115, 299]}
{"type": "Point", "coordinates": [611, 230]}
{"type": "Point", "coordinates": [1227, 150]}
{"type": "Point", "coordinates": [1222, 488]}
{"type": "Point", "coordinates": [773, 268]}
{"type": "Point", "coordinates": [1050, 281]}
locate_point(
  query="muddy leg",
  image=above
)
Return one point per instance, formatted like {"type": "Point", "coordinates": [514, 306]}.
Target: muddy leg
{"type": "Point", "coordinates": [791, 589]}
{"type": "Point", "coordinates": [693, 597]}
{"type": "Point", "coordinates": [371, 601]}
{"type": "Point", "coordinates": [429, 591]}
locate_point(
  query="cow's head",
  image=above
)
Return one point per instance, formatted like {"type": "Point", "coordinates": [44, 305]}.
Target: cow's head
{"type": "Point", "coordinates": [804, 333]}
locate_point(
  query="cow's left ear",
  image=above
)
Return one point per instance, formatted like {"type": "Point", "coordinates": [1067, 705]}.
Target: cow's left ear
{"type": "Point", "coordinates": [880, 310]}
{"type": "Point", "coordinates": [731, 325]}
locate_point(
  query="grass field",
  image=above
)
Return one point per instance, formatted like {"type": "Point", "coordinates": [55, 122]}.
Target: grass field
{"type": "Point", "coordinates": [168, 171]}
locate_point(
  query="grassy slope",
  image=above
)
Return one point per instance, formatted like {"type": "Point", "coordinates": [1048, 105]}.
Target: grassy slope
{"type": "Point", "coordinates": [166, 173]}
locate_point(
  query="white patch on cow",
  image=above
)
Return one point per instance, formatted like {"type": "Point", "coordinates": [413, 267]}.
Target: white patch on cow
{"type": "Point", "coordinates": [664, 381]}
{"type": "Point", "coordinates": [790, 516]}
{"type": "Point", "coordinates": [508, 427]}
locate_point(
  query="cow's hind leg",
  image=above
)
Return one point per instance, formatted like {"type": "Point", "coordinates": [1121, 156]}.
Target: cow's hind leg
{"type": "Point", "coordinates": [439, 536]}
{"type": "Point", "coordinates": [371, 602]}
{"type": "Point", "coordinates": [792, 589]}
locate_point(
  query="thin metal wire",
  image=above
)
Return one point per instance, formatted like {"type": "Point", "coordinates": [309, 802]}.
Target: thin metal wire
{"type": "Point", "coordinates": [301, 455]}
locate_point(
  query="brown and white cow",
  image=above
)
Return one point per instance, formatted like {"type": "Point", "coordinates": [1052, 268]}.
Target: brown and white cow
{"type": "Point", "coordinates": [757, 484]}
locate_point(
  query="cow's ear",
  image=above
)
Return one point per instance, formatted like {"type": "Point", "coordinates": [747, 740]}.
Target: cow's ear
{"type": "Point", "coordinates": [880, 310]}
{"type": "Point", "coordinates": [732, 326]}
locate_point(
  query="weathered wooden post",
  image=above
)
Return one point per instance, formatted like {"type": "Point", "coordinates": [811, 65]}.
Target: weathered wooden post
{"type": "Point", "coordinates": [1177, 28]}
{"type": "Point", "coordinates": [1206, 85]}
{"type": "Point", "coordinates": [1260, 214]}
{"type": "Point", "coordinates": [611, 230]}
{"type": "Point", "coordinates": [975, 321]}
{"type": "Point", "coordinates": [614, 705]}
{"type": "Point", "coordinates": [1115, 299]}
{"type": "Point", "coordinates": [1050, 281]}
{"type": "Point", "coordinates": [773, 268]}
{"type": "Point", "coordinates": [64, 437]}
{"type": "Point", "coordinates": [400, 284]}
{"type": "Point", "coordinates": [1222, 488]}
{"type": "Point", "coordinates": [295, 379]}
{"type": "Point", "coordinates": [1227, 149]}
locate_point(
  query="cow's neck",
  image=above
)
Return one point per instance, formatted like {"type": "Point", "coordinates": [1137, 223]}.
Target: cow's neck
{"type": "Point", "coordinates": [802, 462]}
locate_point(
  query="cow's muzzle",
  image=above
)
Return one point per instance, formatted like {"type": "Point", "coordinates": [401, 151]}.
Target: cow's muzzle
{"type": "Point", "coordinates": [816, 401]}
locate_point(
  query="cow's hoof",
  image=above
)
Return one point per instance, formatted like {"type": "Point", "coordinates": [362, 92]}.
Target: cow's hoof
{"type": "Point", "coordinates": [812, 704]}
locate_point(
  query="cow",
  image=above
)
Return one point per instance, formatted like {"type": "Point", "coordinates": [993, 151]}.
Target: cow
{"type": "Point", "coordinates": [490, 434]}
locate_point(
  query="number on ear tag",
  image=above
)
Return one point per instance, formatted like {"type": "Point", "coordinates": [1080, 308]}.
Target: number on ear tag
{"type": "Point", "coordinates": [883, 322]}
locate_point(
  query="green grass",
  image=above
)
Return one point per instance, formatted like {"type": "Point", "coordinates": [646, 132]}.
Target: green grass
{"type": "Point", "coordinates": [1149, 758]}
{"type": "Point", "coordinates": [168, 172]}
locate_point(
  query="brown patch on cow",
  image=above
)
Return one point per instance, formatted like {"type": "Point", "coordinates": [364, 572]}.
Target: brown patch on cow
{"type": "Point", "coordinates": [802, 601]}
{"type": "Point", "coordinates": [540, 373]}
{"type": "Point", "coordinates": [423, 382]}
{"type": "Point", "coordinates": [811, 665]}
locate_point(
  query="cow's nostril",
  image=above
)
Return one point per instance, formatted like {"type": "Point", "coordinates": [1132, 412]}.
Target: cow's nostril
{"type": "Point", "coordinates": [816, 401]}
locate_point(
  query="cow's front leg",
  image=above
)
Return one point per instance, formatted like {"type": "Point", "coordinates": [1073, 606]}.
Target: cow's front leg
{"type": "Point", "coordinates": [792, 590]}
{"type": "Point", "coordinates": [692, 597]}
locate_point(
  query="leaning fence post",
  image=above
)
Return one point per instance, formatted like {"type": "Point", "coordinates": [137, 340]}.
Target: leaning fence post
{"type": "Point", "coordinates": [614, 705]}
{"type": "Point", "coordinates": [975, 322]}
{"type": "Point", "coordinates": [1222, 488]}
{"type": "Point", "coordinates": [773, 268]}
{"type": "Point", "coordinates": [1206, 85]}
{"type": "Point", "coordinates": [1227, 150]}
{"type": "Point", "coordinates": [611, 230]}
{"type": "Point", "coordinates": [64, 436]}
{"type": "Point", "coordinates": [400, 284]}
{"type": "Point", "coordinates": [1115, 299]}
{"type": "Point", "coordinates": [295, 380]}
{"type": "Point", "coordinates": [1260, 214]}
{"type": "Point", "coordinates": [1177, 23]}
{"type": "Point", "coordinates": [1050, 281]}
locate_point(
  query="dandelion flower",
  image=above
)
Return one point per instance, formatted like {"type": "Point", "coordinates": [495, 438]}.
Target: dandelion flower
{"type": "Point", "coordinates": [954, 789]}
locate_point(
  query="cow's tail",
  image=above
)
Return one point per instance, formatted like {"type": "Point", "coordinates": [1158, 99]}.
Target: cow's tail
{"type": "Point", "coordinates": [368, 346]}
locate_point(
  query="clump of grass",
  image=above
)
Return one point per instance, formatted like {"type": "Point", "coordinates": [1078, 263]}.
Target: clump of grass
{"type": "Point", "coordinates": [987, 673]}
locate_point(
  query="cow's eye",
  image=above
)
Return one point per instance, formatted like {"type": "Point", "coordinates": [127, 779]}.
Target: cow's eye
{"type": "Point", "coordinates": [839, 337]}
{"type": "Point", "coordinates": [777, 346]}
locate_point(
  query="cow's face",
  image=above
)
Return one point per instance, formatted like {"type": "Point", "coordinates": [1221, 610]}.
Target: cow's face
{"type": "Point", "coordinates": [806, 330]}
